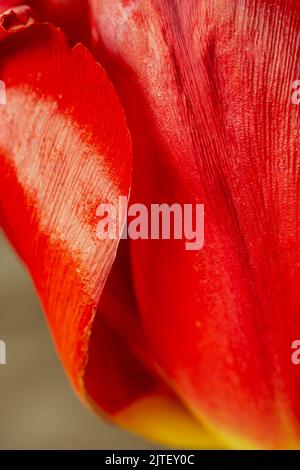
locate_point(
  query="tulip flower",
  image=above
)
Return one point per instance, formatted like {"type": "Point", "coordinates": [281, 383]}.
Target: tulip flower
{"type": "Point", "coordinates": [192, 103]}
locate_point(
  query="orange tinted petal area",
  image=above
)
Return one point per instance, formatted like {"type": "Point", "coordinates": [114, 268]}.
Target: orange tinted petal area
{"type": "Point", "coordinates": [65, 149]}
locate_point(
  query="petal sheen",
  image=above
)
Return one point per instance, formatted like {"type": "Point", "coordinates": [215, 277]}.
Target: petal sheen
{"type": "Point", "coordinates": [64, 149]}
{"type": "Point", "coordinates": [213, 122]}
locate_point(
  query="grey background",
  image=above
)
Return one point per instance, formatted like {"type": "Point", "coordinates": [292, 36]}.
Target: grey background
{"type": "Point", "coordinates": [38, 409]}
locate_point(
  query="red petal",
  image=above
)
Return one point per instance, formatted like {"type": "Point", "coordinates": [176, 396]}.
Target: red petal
{"type": "Point", "coordinates": [65, 148]}
{"type": "Point", "coordinates": [16, 18]}
{"type": "Point", "coordinates": [73, 16]}
{"type": "Point", "coordinates": [213, 123]}
{"type": "Point", "coordinates": [7, 4]}
{"type": "Point", "coordinates": [120, 376]}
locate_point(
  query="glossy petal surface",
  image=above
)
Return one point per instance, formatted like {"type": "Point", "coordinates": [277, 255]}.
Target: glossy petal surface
{"type": "Point", "coordinates": [207, 90]}
{"type": "Point", "coordinates": [65, 149]}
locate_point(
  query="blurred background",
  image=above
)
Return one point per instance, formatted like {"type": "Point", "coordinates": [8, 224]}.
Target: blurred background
{"type": "Point", "coordinates": [38, 409]}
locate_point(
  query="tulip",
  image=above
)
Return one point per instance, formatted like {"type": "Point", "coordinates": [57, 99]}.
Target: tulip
{"type": "Point", "coordinates": [189, 348]}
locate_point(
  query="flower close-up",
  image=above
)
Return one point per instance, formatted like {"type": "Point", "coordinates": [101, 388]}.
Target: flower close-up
{"type": "Point", "coordinates": [117, 115]}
